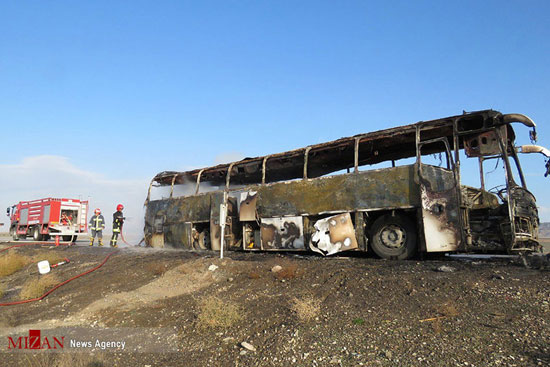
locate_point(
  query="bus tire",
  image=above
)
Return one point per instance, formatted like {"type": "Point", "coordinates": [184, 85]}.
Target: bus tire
{"type": "Point", "coordinates": [393, 237]}
{"type": "Point", "coordinates": [36, 235]}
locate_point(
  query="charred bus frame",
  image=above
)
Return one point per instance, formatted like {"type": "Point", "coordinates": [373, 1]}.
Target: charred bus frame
{"type": "Point", "coordinates": [289, 201]}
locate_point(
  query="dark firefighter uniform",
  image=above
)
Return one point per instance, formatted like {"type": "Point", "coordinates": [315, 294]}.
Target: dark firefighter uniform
{"type": "Point", "coordinates": [118, 220]}
{"type": "Point", "coordinates": [97, 225]}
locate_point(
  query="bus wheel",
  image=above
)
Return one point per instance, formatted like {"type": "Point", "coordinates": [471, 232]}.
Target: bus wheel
{"type": "Point", "coordinates": [393, 237]}
{"type": "Point", "coordinates": [36, 235]}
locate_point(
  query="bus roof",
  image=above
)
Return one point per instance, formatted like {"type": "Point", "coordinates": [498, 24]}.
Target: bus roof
{"type": "Point", "coordinates": [374, 147]}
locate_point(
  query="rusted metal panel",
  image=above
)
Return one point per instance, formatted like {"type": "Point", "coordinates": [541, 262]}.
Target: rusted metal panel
{"type": "Point", "coordinates": [157, 240]}
{"type": "Point", "coordinates": [247, 211]}
{"type": "Point", "coordinates": [390, 187]}
{"type": "Point", "coordinates": [334, 234]}
{"type": "Point", "coordinates": [483, 144]}
{"type": "Point", "coordinates": [282, 233]}
{"type": "Point", "coordinates": [170, 215]}
{"type": "Point", "coordinates": [215, 229]}
{"type": "Point", "coordinates": [440, 211]}
{"type": "Point", "coordinates": [184, 209]}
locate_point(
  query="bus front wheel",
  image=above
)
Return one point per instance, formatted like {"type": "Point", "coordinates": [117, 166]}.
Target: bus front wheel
{"type": "Point", "coordinates": [393, 237]}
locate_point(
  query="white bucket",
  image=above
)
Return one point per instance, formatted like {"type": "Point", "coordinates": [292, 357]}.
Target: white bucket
{"type": "Point", "coordinates": [44, 267]}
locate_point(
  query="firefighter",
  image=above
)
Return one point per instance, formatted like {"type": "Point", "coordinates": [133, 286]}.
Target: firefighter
{"type": "Point", "coordinates": [97, 225]}
{"type": "Point", "coordinates": [118, 220]}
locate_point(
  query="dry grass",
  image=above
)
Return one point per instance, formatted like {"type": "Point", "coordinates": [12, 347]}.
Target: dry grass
{"type": "Point", "coordinates": [436, 326]}
{"type": "Point", "coordinates": [306, 308]}
{"type": "Point", "coordinates": [448, 309]}
{"type": "Point", "coordinates": [79, 360]}
{"type": "Point", "coordinates": [40, 360]}
{"type": "Point", "coordinates": [156, 268]}
{"type": "Point", "coordinates": [217, 313]}
{"type": "Point", "coordinates": [11, 263]}
{"type": "Point", "coordinates": [289, 271]}
{"type": "Point", "coordinates": [2, 290]}
{"type": "Point", "coordinates": [53, 257]}
{"type": "Point", "coordinates": [64, 360]}
{"type": "Point", "coordinates": [34, 288]}
{"type": "Point", "coordinates": [445, 310]}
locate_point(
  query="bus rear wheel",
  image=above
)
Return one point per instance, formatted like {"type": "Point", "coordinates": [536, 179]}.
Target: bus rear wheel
{"type": "Point", "coordinates": [393, 237]}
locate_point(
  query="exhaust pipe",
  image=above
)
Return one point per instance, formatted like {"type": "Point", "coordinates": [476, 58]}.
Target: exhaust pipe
{"type": "Point", "coordinates": [518, 117]}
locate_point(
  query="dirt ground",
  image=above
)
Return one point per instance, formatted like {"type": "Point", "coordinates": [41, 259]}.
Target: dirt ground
{"type": "Point", "coordinates": [338, 311]}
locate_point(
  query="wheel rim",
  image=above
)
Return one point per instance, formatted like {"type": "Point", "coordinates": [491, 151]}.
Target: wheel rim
{"type": "Point", "coordinates": [393, 236]}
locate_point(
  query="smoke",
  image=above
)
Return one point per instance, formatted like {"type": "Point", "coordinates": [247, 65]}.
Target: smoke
{"type": "Point", "coordinates": [187, 188]}
{"type": "Point", "coordinates": [228, 157]}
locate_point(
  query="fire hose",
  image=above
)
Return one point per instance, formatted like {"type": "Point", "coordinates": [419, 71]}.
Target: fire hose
{"type": "Point", "coordinates": [122, 235]}
{"type": "Point", "coordinates": [58, 285]}
{"type": "Point", "coordinates": [32, 243]}
{"type": "Point", "coordinates": [123, 240]}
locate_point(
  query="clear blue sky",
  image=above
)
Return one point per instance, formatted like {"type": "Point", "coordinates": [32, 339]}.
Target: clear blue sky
{"type": "Point", "coordinates": [126, 89]}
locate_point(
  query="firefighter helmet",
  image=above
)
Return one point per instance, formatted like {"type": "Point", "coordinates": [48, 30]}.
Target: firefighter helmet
{"type": "Point", "coordinates": [97, 211]}
{"type": "Point", "coordinates": [119, 207]}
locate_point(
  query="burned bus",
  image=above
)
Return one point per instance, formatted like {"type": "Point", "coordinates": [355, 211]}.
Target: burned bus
{"type": "Point", "coordinates": [395, 192]}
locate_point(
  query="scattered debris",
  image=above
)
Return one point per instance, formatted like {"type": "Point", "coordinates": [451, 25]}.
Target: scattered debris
{"type": "Point", "coordinates": [446, 269]}
{"type": "Point", "coordinates": [43, 267]}
{"type": "Point", "coordinates": [276, 268]}
{"type": "Point", "coordinates": [212, 267]}
{"type": "Point", "coordinates": [248, 346]}
{"type": "Point", "coordinates": [335, 360]}
{"type": "Point", "coordinates": [433, 318]}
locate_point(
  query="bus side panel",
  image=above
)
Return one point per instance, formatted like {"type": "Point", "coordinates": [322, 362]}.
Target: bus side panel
{"type": "Point", "coordinates": [385, 189]}
{"type": "Point", "coordinates": [168, 217]}
{"type": "Point", "coordinates": [440, 211]}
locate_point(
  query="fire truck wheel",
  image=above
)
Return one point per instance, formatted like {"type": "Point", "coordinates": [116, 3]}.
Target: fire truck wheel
{"type": "Point", "coordinates": [393, 237]}
{"type": "Point", "coordinates": [69, 238]}
{"type": "Point", "coordinates": [14, 234]}
{"type": "Point", "coordinates": [36, 235]}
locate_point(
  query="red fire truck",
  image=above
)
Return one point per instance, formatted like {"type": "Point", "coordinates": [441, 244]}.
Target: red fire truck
{"type": "Point", "coordinates": [45, 218]}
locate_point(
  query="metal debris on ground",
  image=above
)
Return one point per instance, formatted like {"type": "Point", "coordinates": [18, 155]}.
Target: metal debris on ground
{"type": "Point", "coordinates": [446, 269]}
{"type": "Point", "coordinates": [276, 268]}
{"type": "Point", "coordinates": [248, 346]}
{"type": "Point", "coordinates": [212, 267]}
